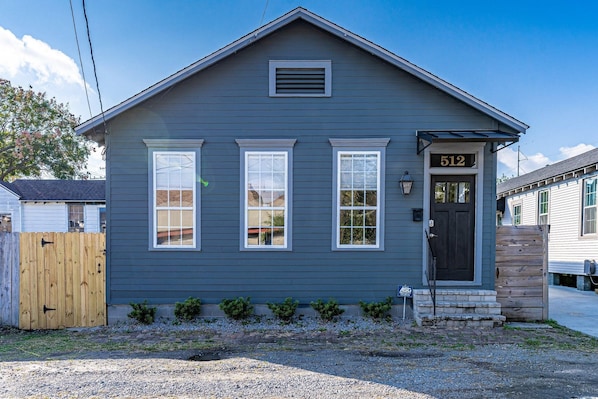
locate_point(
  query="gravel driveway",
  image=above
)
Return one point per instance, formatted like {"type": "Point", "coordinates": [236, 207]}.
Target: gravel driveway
{"type": "Point", "coordinates": [322, 362]}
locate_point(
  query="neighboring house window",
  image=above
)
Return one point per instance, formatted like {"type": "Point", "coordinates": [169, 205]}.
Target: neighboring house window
{"type": "Point", "coordinates": [5, 223]}
{"type": "Point", "coordinates": [76, 218]}
{"type": "Point", "coordinates": [359, 193]}
{"type": "Point", "coordinates": [266, 194]}
{"type": "Point", "coordinates": [102, 219]}
{"type": "Point", "coordinates": [589, 206]}
{"type": "Point", "coordinates": [174, 193]}
{"type": "Point", "coordinates": [543, 207]}
{"type": "Point", "coordinates": [300, 78]}
{"type": "Point", "coordinates": [517, 214]}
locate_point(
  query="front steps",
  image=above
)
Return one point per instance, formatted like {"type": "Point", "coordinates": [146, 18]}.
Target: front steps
{"type": "Point", "coordinates": [457, 308]}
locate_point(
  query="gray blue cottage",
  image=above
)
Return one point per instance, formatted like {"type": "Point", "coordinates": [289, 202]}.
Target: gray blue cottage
{"type": "Point", "coordinates": [275, 167]}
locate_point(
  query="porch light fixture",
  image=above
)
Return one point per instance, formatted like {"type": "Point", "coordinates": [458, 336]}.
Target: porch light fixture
{"type": "Point", "coordinates": [406, 183]}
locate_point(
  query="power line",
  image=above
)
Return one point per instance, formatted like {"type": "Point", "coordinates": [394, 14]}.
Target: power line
{"type": "Point", "coordinates": [80, 60]}
{"type": "Point", "coordinates": [95, 72]}
{"type": "Point", "coordinates": [264, 13]}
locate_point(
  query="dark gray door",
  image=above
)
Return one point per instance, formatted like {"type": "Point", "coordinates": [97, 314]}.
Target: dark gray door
{"type": "Point", "coordinates": [452, 210]}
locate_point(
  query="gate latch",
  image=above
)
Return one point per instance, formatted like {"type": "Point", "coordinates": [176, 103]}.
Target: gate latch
{"type": "Point", "coordinates": [44, 242]}
{"type": "Point", "coordinates": [47, 309]}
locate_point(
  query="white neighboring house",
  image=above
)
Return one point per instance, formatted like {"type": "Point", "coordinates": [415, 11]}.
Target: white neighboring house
{"type": "Point", "coordinates": [563, 196]}
{"type": "Point", "coordinates": [53, 206]}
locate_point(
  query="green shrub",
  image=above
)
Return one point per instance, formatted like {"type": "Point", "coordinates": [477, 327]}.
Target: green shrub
{"type": "Point", "coordinates": [327, 310]}
{"type": "Point", "coordinates": [187, 310]}
{"type": "Point", "coordinates": [285, 311]}
{"type": "Point", "coordinates": [142, 313]}
{"type": "Point", "coordinates": [238, 308]}
{"type": "Point", "coordinates": [377, 310]}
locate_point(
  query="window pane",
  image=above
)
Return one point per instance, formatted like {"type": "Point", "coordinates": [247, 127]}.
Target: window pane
{"type": "Point", "coordinates": [266, 174]}
{"type": "Point", "coordinates": [439, 193]}
{"type": "Point", "coordinates": [452, 192]}
{"type": "Point", "coordinates": [358, 198]}
{"type": "Point", "coordinates": [463, 193]}
{"type": "Point", "coordinates": [590, 221]}
{"type": "Point", "coordinates": [174, 198]}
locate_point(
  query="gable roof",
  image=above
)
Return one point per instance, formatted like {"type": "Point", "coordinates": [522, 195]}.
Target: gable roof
{"type": "Point", "coordinates": [569, 168]}
{"type": "Point", "coordinates": [58, 190]}
{"type": "Point", "coordinates": [94, 130]}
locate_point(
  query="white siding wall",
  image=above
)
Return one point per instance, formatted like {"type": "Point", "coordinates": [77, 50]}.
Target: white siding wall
{"type": "Point", "coordinates": [54, 217]}
{"type": "Point", "coordinates": [45, 217]}
{"type": "Point", "coordinates": [92, 218]}
{"type": "Point", "coordinates": [567, 249]}
{"type": "Point", "coordinates": [10, 204]}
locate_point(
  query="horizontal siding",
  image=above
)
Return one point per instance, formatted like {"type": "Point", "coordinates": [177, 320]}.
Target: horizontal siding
{"type": "Point", "coordinates": [567, 248]}
{"type": "Point", "coordinates": [9, 204]}
{"type": "Point", "coordinates": [45, 217]}
{"type": "Point", "coordinates": [229, 101]}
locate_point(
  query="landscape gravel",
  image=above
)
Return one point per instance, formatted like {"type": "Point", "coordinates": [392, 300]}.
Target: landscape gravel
{"type": "Point", "coordinates": [354, 358]}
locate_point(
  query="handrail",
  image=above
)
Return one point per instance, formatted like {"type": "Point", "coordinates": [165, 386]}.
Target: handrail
{"type": "Point", "coordinates": [432, 284]}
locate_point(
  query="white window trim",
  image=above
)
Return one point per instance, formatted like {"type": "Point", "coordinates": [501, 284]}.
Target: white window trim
{"type": "Point", "coordinates": [540, 214]}
{"type": "Point", "coordinates": [515, 206]}
{"type": "Point", "coordinates": [173, 146]}
{"type": "Point", "coordinates": [584, 207]}
{"type": "Point", "coordinates": [359, 146]}
{"type": "Point", "coordinates": [266, 146]}
{"type": "Point", "coordinates": [275, 64]}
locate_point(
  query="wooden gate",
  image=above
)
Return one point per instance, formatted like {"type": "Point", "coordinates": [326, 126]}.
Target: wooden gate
{"type": "Point", "coordinates": [521, 272]}
{"type": "Point", "coordinates": [62, 280]}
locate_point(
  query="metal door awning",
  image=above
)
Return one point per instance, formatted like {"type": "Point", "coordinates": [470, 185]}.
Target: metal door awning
{"type": "Point", "coordinates": [425, 138]}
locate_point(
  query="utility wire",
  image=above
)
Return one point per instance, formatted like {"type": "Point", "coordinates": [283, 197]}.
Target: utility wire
{"type": "Point", "coordinates": [264, 13]}
{"type": "Point", "coordinates": [80, 60]}
{"type": "Point", "coordinates": [95, 73]}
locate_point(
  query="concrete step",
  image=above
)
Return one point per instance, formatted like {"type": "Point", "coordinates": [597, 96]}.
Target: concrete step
{"type": "Point", "coordinates": [459, 307]}
{"type": "Point", "coordinates": [460, 320]}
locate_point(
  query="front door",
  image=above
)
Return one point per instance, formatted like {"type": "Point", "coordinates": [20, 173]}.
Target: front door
{"type": "Point", "coordinates": [452, 214]}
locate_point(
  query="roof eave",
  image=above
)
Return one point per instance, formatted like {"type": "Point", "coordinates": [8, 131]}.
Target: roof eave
{"type": "Point", "coordinates": [88, 128]}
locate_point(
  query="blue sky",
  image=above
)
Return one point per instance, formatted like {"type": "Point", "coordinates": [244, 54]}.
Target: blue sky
{"type": "Point", "coordinates": [535, 60]}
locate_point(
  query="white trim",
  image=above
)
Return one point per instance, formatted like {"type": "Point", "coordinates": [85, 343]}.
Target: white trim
{"type": "Point", "coordinates": [155, 209]}
{"type": "Point", "coordinates": [337, 244]}
{"type": "Point", "coordinates": [478, 171]}
{"type": "Point", "coordinates": [285, 208]}
{"type": "Point", "coordinates": [300, 64]}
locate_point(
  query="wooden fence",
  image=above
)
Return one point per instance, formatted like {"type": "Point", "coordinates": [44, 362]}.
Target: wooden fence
{"type": "Point", "coordinates": [521, 272]}
{"type": "Point", "coordinates": [60, 281]}
{"type": "Point", "coordinates": [9, 279]}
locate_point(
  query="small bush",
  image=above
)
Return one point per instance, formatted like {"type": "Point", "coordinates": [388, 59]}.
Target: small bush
{"type": "Point", "coordinates": [328, 310]}
{"type": "Point", "coordinates": [238, 308]}
{"type": "Point", "coordinates": [187, 310]}
{"type": "Point", "coordinates": [285, 311]}
{"type": "Point", "coordinates": [142, 313]}
{"type": "Point", "coordinates": [377, 310]}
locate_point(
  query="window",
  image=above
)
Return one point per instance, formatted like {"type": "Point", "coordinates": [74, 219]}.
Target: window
{"type": "Point", "coordinates": [517, 214]}
{"type": "Point", "coordinates": [300, 79]}
{"type": "Point", "coordinates": [5, 223]}
{"type": "Point", "coordinates": [266, 194]}
{"type": "Point", "coordinates": [174, 193]}
{"type": "Point", "coordinates": [543, 207]}
{"type": "Point", "coordinates": [102, 219]}
{"type": "Point", "coordinates": [76, 218]}
{"type": "Point", "coordinates": [589, 206]}
{"type": "Point", "coordinates": [359, 193]}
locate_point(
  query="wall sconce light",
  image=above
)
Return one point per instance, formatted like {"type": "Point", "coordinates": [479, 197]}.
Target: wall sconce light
{"type": "Point", "coordinates": [406, 183]}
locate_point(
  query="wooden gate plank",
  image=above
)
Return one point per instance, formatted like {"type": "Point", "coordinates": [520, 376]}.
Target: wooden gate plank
{"type": "Point", "coordinates": [51, 282]}
{"type": "Point", "coordinates": [521, 264]}
{"type": "Point", "coordinates": [25, 283]}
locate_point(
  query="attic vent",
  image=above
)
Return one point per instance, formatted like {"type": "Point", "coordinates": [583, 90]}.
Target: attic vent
{"type": "Point", "coordinates": [300, 78]}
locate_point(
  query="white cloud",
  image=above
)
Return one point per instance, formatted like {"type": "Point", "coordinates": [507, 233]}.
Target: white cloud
{"type": "Point", "coordinates": [31, 62]}
{"type": "Point", "coordinates": [508, 159]}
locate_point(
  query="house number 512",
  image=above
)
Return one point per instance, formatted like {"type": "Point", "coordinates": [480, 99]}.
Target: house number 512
{"type": "Point", "coordinates": [452, 160]}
